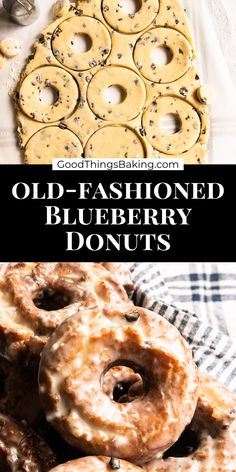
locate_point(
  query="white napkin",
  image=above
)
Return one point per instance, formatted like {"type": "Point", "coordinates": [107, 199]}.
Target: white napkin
{"type": "Point", "coordinates": [214, 70]}
{"type": "Point", "coordinates": [211, 63]}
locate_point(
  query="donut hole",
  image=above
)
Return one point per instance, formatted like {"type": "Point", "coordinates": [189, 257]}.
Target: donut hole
{"type": "Point", "coordinates": [50, 299]}
{"type": "Point", "coordinates": [170, 123]}
{"type": "Point", "coordinates": [81, 43]}
{"type": "Point", "coordinates": [124, 382]}
{"type": "Point", "coordinates": [130, 7]}
{"type": "Point", "coordinates": [186, 445]}
{"type": "Point", "coordinates": [161, 56]}
{"type": "Point", "coordinates": [115, 94]}
{"type": "Point", "coordinates": [121, 391]}
{"type": "Point", "coordinates": [48, 95]}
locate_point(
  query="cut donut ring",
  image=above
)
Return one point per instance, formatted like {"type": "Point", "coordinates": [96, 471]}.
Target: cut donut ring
{"type": "Point", "coordinates": [52, 142]}
{"type": "Point", "coordinates": [61, 85]}
{"type": "Point", "coordinates": [124, 21]}
{"type": "Point", "coordinates": [78, 373]}
{"type": "Point", "coordinates": [177, 50]}
{"type": "Point", "coordinates": [115, 141]}
{"type": "Point", "coordinates": [131, 89]}
{"type": "Point", "coordinates": [188, 125]}
{"type": "Point", "coordinates": [95, 43]}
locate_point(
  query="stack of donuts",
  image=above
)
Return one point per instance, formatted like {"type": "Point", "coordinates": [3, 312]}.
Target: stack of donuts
{"type": "Point", "coordinates": [91, 382]}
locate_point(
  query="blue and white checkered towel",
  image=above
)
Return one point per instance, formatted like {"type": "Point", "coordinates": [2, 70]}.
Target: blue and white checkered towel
{"type": "Point", "coordinates": [196, 299]}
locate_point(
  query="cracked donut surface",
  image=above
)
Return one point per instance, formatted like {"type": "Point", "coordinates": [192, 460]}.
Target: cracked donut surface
{"type": "Point", "coordinates": [79, 356]}
{"type": "Point", "coordinates": [116, 61]}
{"type": "Point", "coordinates": [36, 297]}
{"type": "Point", "coordinates": [98, 464]}
{"type": "Point", "coordinates": [21, 449]}
{"type": "Point", "coordinates": [209, 443]}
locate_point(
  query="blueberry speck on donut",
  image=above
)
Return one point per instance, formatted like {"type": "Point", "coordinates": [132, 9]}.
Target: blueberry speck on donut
{"type": "Point", "coordinates": [114, 463]}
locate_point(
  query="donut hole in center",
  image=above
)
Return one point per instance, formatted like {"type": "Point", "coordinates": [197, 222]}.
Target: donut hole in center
{"type": "Point", "coordinates": [186, 445]}
{"type": "Point", "coordinates": [50, 299]}
{"type": "Point", "coordinates": [81, 43]}
{"type": "Point", "coordinates": [170, 123]}
{"type": "Point", "coordinates": [48, 95]}
{"type": "Point", "coordinates": [121, 391]}
{"type": "Point", "coordinates": [161, 56]}
{"type": "Point", "coordinates": [114, 94]}
{"type": "Point", "coordinates": [124, 382]}
{"type": "Point", "coordinates": [130, 7]}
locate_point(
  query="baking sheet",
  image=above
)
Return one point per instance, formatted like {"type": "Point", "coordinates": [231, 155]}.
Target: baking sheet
{"type": "Point", "coordinates": [211, 65]}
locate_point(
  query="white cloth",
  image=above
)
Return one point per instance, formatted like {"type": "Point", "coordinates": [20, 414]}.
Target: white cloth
{"type": "Point", "coordinates": [204, 287]}
{"type": "Point", "coordinates": [214, 28]}
{"type": "Point", "coordinates": [209, 290]}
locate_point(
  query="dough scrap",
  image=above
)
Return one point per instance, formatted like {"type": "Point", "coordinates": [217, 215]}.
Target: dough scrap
{"type": "Point", "coordinates": [10, 47]}
{"type": "Point", "coordinates": [205, 94]}
{"type": "Point", "coordinates": [100, 47]}
{"type": "Point", "coordinates": [61, 8]}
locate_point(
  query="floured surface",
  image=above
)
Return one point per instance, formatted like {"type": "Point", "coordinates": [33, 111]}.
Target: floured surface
{"type": "Point", "coordinates": [116, 57]}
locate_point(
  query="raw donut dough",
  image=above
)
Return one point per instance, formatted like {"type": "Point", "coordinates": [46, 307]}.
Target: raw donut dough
{"type": "Point", "coordinates": [64, 43]}
{"type": "Point", "coordinates": [123, 21]}
{"type": "Point", "coordinates": [97, 464]}
{"type": "Point", "coordinates": [82, 351]}
{"type": "Point", "coordinates": [184, 138]}
{"type": "Point", "coordinates": [205, 94]}
{"type": "Point", "coordinates": [133, 94]}
{"type": "Point", "coordinates": [10, 47]}
{"type": "Point", "coordinates": [179, 49]}
{"type": "Point", "coordinates": [61, 7]}
{"type": "Point", "coordinates": [52, 142]}
{"type": "Point", "coordinates": [115, 141]}
{"type": "Point", "coordinates": [30, 94]}
{"type": "Point", "coordinates": [125, 59]}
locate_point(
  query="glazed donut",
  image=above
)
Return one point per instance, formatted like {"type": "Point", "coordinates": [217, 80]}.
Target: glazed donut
{"type": "Point", "coordinates": [17, 382]}
{"type": "Point", "coordinates": [36, 297]}
{"type": "Point", "coordinates": [209, 443]}
{"type": "Point", "coordinates": [21, 449]}
{"type": "Point", "coordinates": [120, 271]}
{"type": "Point", "coordinates": [98, 464]}
{"type": "Point", "coordinates": [74, 365]}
